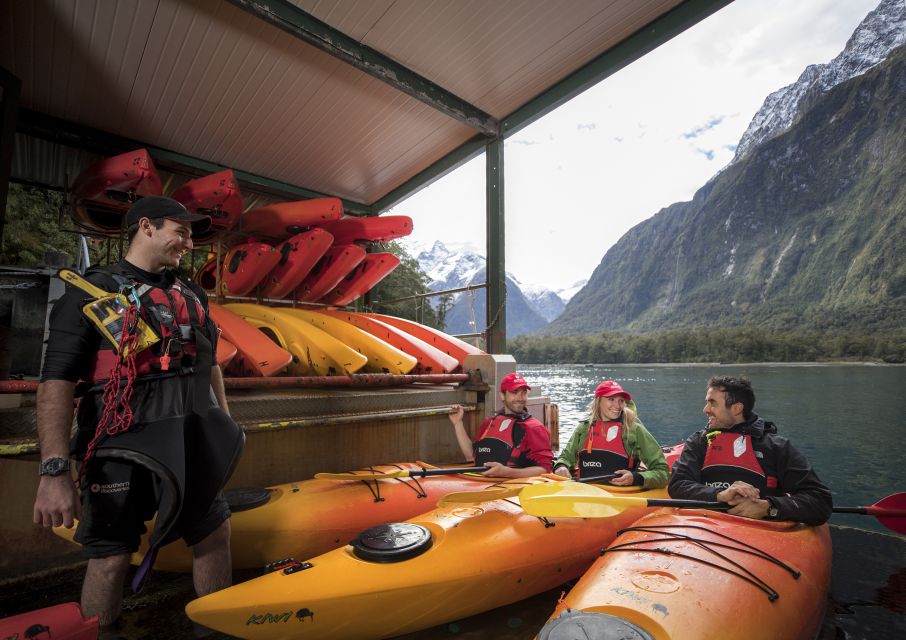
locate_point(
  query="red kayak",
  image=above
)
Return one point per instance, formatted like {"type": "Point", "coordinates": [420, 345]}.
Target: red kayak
{"type": "Point", "coordinates": [448, 344]}
{"type": "Point", "coordinates": [374, 268]}
{"type": "Point", "coordinates": [285, 219]}
{"type": "Point", "coordinates": [103, 192]}
{"type": "Point", "coordinates": [245, 266]}
{"type": "Point", "coordinates": [216, 195]}
{"type": "Point", "coordinates": [60, 622]}
{"type": "Point", "coordinates": [373, 229]}
{"type": "Point", "coordinates": [206, 276]}
{"type": "Point", "coordinates": [333, 267]}
{"type": "Point", "coordinates": [298, 256]}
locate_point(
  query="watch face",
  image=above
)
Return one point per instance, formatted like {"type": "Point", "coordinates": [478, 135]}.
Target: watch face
{"type": "Point", "coordinates": [54, 467]}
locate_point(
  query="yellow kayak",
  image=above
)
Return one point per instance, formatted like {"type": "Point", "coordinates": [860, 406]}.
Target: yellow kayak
{"type": "Point", "coordinates": [382, 356]}
{"type": "Point", "coordinates": [315, 352]}
{"type": "Point", "coordinates": [307, 518]}
{"type": "Point", "coordinates": [446, 564]}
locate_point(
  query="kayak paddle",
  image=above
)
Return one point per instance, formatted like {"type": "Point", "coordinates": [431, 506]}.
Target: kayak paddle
{"type": "Point", "coordinates": [575, 500]}
{"type": "Point", "coordinates": [400, 473]}
{"type": "Point", "coordinates": [509, 489]}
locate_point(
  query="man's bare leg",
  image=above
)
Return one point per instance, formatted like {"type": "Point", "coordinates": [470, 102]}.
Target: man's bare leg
{"type": "Point", "coordinates": [212, 564]}
{"type": "Point", "coordinates": [102, 590]}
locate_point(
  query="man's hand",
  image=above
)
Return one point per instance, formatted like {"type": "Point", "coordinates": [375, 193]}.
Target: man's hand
{"type": "Point", "coordinates": [756, 509]}
{"type": "Point", "coordinates": [563, 471]}
{"type": "Point", "coordinates": [497, 470]}
{"type": "Point", "coordinates": [738, 491]}
{"type": "Point", "coordinates": [456, 416]}
{"type": "Point", "coordinates": [623, 478]}
{"type": "Point", "coordinates": [56, 502]}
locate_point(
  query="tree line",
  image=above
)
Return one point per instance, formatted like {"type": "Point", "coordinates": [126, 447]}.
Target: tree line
{"type": "Point", "coordinates": [711, 345]}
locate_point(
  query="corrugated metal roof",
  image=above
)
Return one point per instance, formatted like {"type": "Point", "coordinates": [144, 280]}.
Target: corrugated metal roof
{"type": "Point", "coordinates": [206, 79]}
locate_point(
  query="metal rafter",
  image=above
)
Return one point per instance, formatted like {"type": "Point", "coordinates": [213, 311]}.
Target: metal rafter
{"type": "Point", "coordinates": [305, 26]}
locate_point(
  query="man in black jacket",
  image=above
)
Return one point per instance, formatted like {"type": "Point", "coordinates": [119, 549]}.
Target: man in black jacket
{"type": "Point", "coordinates": [739, 459]}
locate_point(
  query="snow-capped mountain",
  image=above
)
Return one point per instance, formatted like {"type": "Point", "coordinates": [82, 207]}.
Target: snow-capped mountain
{"type": "Point", "coordinates": [881, 31]}
{"type": "Point", "coordinates": [529, 307]}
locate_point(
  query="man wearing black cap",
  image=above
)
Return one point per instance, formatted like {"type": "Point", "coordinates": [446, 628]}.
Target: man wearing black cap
{"type": "Point", "coordinates": [511, 443]}
{"type": "Point", "coordinates": [150, 435]}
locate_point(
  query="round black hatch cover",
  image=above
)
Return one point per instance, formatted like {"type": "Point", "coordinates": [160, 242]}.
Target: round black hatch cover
{"type": "Point", "coordinates": [392, 542]}
{"type": "Point", "coordinates": [586, 624]}
{"type": "Point", "coordinates": [245, 498]}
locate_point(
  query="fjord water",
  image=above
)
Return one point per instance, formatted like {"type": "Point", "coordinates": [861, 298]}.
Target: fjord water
{"type": "Point", "coordinates": [849, 420]}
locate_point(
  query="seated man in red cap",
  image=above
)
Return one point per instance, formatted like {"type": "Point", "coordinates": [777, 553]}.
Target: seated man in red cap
{"type": "Point", "coordinates": [511, 443]}
{"type": "Point", "coordinates": [612, 442]}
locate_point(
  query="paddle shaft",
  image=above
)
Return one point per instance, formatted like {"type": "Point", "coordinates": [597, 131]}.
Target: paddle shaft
{"type": "Point", "coordinates": [420, 473]}
{"type": "Point", "coordinates": [723, 506]}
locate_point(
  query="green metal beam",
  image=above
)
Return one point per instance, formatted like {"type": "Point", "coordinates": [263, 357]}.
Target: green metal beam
{"type": "Point", "coordinates": [46, 127]}
{"type": "Point", "coordinates": [456, 158]}
{"type": "Point", "coordinates": [496, 244]}
{"type": "Point", "coordinates": [306, 27]}
{"type": "Point", "coordinates": [9, 109]}
{"type": "Point", "coordinates": [629, 50]}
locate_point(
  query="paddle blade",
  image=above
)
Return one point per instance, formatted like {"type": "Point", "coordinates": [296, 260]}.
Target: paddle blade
{"type": "Point", "coordinates": [473, 497]}
{"type": "Point", "coordinates": [574, 500]}
{"type": "Point", "coordinates": [891, 512]}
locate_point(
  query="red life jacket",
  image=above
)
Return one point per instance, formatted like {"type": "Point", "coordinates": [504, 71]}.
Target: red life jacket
{"type": "Point", "coordinates": [731, 457]}
{"type": "Point", "coordinates": [176, 315]}
{"type": "Point", "coordinates": [500, 439]}
{"type": "Point", "coordinates": [603, 452]}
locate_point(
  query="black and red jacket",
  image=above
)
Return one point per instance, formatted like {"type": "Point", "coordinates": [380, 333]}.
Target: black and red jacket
{"type": "Point", "coordinates": [764, 457]}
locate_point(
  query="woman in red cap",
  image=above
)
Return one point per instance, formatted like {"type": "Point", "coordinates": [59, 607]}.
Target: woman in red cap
{"type": "Point", "coordinates": [614, 441]}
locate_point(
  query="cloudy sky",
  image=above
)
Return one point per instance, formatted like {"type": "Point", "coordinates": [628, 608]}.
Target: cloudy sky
{"type": "Point", "coordinates": [644, 138]}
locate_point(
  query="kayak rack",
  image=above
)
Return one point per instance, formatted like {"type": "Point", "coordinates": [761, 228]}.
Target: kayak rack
{"type": "Point", "coordinates": [354, 380]}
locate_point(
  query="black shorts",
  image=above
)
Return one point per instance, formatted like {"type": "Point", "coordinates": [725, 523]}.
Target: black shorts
{"type": "Point", "coordinates": [118, 498]}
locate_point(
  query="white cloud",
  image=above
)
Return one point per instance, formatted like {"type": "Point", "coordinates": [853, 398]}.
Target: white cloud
{"type": "Point", "coordinates": [582, 176]}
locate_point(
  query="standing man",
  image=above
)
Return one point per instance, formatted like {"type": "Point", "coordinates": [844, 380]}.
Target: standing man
{"type": "Point", "coordinates": [512, 443]}
{"type": "Point", "coordinates": [739, 459]}
{"type": "Point", "coordinates": [151, 436]}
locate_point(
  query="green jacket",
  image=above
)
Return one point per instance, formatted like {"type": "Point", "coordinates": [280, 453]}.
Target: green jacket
{"type": "Point", "coordinates": [639, 444]}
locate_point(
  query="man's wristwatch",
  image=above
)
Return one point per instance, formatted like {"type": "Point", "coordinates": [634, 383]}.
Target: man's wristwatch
{"type": "Point", "coordinates": [772, 511]}
{"type": "Point", "coordinates": [53, 467]}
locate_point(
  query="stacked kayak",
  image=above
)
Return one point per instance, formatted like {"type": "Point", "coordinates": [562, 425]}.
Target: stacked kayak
{"type": "Point", "coordinates": [103, 192]}
{"type": "Point", "coordinates": [63, 621]}
{"type": "Point", "coordinates": [443, 565]}
{"type": "Point", "coordinates": [306, 251]}
{"type": "Point", "coordinates": [310, 517]}
{"type": "Point", "coordinates": [701, 574]}
{"type": "Point", "coordinates": [216, 195]}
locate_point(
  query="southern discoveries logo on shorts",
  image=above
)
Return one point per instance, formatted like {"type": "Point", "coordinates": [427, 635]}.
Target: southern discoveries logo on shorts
{"type": "Point", "coordinates": [113, 487]}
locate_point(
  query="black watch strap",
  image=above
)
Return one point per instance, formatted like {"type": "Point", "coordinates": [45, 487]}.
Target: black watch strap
{"type": "Point", "coordinates": [53, 467]}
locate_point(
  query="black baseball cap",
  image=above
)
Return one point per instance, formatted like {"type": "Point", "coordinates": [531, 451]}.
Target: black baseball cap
{"type": "Point", "coordinates": [162, 207]}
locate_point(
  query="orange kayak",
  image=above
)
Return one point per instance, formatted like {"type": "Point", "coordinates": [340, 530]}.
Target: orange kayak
{"type": "Point", "coordinates": [446, 564]}
{"type": "Point", "coordinates": [678, 574]}
{"type": "Point", "coordinates": [307, 518]}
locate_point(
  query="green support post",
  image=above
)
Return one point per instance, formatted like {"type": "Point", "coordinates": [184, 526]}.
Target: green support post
{"type": "Point", "coordinates": [496, 243]}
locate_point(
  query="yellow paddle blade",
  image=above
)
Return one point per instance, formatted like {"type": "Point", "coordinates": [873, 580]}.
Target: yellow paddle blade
{"type": "Point", "coordinates": [363, 475]}
{"type": "Point", "coordinates": [485, 495]}
{"type": "Point", "coordinates": [574, 500]}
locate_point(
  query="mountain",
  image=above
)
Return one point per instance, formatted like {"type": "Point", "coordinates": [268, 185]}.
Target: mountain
{"type": "Point", "coordinates": [529, 307]}
{"type": "Point", "coordinates": [882, 30]}
{"type": "Point", "coordinates": [805, 230]}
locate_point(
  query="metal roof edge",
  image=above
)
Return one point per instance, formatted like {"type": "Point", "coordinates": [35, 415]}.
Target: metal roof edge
{"type": "Point", "coordinates": [629, 50]}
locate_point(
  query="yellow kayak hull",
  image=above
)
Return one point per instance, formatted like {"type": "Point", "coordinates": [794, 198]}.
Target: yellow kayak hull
{"type": "Point", "coordinates": [315, 352]}
{"type": "Point", "coordinates": [481, 556]}
{"type": "Point", "coordinates": [382, 356]}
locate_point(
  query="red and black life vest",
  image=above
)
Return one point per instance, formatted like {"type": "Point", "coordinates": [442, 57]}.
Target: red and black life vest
{"type": "Point", "coordinates": [177, 315]}
{"type": "Point", "coordinates": [500, 439]}
{"type": "Point", "coordinates": [603, 451]}
{"type": "Point", "coordinates": [730, 457]}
